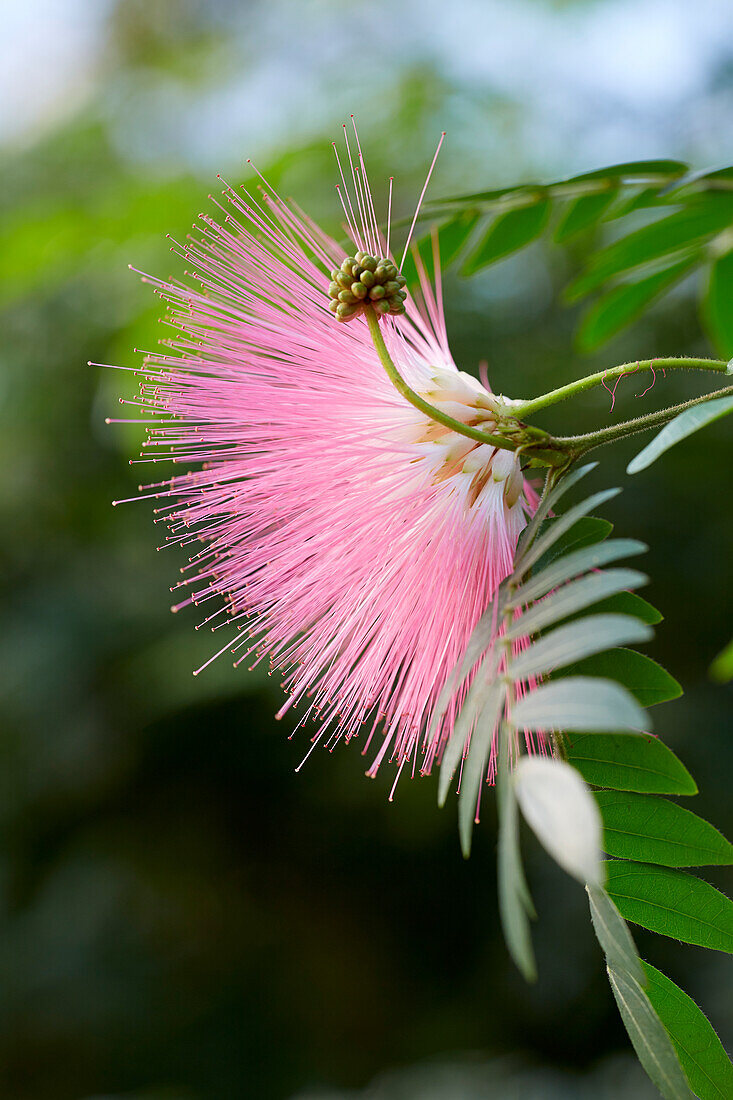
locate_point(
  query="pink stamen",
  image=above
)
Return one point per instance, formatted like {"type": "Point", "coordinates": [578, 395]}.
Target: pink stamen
{"type": "Point", "coordinates": [422, 196]}
{"type": "Point", "coordinates": [389, 215]}
{"type": "Point", "coordinates": [356, 188]}
{"type": "Point", "coordinates": [352, 221]}
{"type": "Point", "coordinates": [368, 193]}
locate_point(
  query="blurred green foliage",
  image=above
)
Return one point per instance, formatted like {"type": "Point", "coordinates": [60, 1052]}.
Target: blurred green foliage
{"type": "Point", "coordinates": [183, 917]}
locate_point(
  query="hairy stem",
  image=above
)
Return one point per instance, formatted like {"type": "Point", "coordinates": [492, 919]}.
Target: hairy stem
{"type": "Point", "coordinates": [581, 444]}
{"type": "Point", "coordinates": [562, 393]}
{"type": "Point", "coordinates": [558, 451]}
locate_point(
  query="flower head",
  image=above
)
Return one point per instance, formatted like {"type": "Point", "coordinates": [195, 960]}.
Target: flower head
{"type": "Point", "coordinates": [364, 280]}
{"type": "Point", "coordinates": [351, 539]}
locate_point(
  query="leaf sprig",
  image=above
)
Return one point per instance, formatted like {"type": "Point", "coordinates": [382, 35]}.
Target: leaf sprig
{"type": "Point", "coordinates": [561, 614]}
{"type": "Point", "coordinates": [688, 228]}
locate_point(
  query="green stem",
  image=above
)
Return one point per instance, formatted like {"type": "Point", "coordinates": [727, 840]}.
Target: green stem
{"type": "Point", "coordinates": [562, 393]}
{"type": "Point", "coordinates": [581, 444]}
{"type": "Point", "coordinates": [558, 451]}
{"type": "Point", "coordinates": [424, 406]}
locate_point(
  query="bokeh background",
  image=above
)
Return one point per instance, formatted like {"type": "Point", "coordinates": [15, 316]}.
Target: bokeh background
{"type": "Point", "coordinates": [182, 917]}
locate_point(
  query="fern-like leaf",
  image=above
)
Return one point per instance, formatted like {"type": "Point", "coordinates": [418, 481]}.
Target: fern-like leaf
{"type": "Point", "coordinates": [562, 610]}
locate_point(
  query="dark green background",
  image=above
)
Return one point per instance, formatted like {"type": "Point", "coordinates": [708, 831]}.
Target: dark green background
{"type": "Point", "coordinates": [182, 916]}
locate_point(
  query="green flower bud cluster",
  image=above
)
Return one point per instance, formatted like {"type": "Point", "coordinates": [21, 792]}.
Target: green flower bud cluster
{"type": "Point", "coordinates": [365, 280]}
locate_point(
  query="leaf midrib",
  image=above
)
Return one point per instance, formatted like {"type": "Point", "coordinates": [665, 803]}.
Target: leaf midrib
{"type": "Point", "coordinates": [617, 764]}
{"type": "Point", "coordinates": [661, 840]}
{"type": "Point", "coordinates": [667, 909]}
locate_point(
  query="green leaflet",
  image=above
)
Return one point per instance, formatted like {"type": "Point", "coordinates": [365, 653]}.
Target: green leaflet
{"type": "Point", "coordinates": [573, 597]}
{"type": "Point", "coordinates": [706, 1065]}
{"type": "Point", "coordinates": [481, 695]}
{"type": "Point", "coordinates": [694, 223]}
{"type": "Point", "coordinates": [576, 640]}
{"type": "Point", "coordinates": [547, 503]}
{"type": "Point", "coordinates": [719, 174]}
{"type": "Point", "coordinates": [572, 564]}
{"type": "Point", "coordinates": [474, 766]}
{"type": "Point", "coordinates": [628, 603]}
{"type": "Point", "coordinates": [647, 681]}
{"type": "Point", "coordinates": [717, 310]}
{"type": "Point", "coordinates": [620, 306]}
{"type": "Point", "coordinates": [560, 809]}
{"type": "Point", "coordinates": [635, 169]}
{"type": "Point", "coordinates": [672, 903]}
{"type": "Point", "coordinates": [625, 763]}
{"type": "Point", "coordinates": [556, 528]}
{"type": "Point", "coordinates": [560, 572]}
{"type": "Point", "coordinates": [628, 977]}
{"type": "Point", "coordinates": [583, 212]}
{"type": "Point", "coordinates": [655, 830]}
{"type": "Point", "coordinates": [508, 233]}
{"type": "Point", "coordinates": [497, 195]}
{"type": "Point", "coordinates": [586, 531]}
{"type": "Point", "coordinates": [515, 902]}
{"type": "Point", "coordinates": [649, 1037]}
{"type": "Point", "coordinates": [695, 209]}
{"type": "Point", "coordinates": [579, 703]}
{"type": "Point", "coordinates": [689, 421]}
{"type": "Point", "coordinates": [638, 198]}
{"type": "Point", "coordinates": [661, 171]}
{"type": "Point", "coordinates": [451, 238]}
{"type": "Point", "coordinates": [612, 932]}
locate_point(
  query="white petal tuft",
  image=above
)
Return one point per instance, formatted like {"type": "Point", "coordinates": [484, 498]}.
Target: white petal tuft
{"type": "Point", "coordinates": [562, 812]}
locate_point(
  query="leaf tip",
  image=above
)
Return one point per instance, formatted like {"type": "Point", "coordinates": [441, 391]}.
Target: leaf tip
{"type": "Point", "coordinates": [465, 833]}
{"type": "Point", "coordinates": [529, 973]}
{"type": "Point", "coordinates": [637, 464]}
{"type": "Point", "coordinates": [444, 783]}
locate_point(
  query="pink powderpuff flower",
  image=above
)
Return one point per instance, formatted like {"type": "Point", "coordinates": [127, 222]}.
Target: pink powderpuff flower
{"type": "Point", "coordinates": [352, 540]}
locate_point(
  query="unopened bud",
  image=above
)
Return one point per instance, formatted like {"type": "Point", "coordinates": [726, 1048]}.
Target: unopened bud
{"type": "Point", "coordinates": [364, 280]}
{"type": "Point", "coordinates": [345, 312]}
